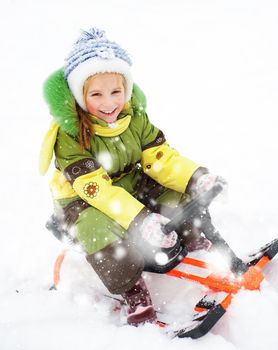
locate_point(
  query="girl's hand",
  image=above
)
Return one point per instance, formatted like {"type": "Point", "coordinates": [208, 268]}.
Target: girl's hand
{"type": "Point", "coordinates": [152, 233]}
{"type": "Point", "coordinates": [206, 182]}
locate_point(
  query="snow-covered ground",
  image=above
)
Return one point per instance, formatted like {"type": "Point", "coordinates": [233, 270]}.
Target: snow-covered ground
{"type": "Point", "coordinates": [210, 72]}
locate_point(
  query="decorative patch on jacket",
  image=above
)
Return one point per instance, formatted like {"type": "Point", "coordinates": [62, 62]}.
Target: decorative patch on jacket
{"type": "Point", "coordinates": [91, 189]}
{"type": "Point", "coordinates": [106, 177]}
{"type": "Point", "coordinates": [79, 168]}
{"type": "Point", "coordinates": [159, 154]}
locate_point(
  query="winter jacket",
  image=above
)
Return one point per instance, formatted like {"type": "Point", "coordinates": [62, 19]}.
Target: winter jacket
{"type": "Point", "coordinates": [93, 174]}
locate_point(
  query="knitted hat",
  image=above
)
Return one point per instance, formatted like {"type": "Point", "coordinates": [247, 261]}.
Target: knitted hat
{"type": "Point", "coordinates": [93, 53]}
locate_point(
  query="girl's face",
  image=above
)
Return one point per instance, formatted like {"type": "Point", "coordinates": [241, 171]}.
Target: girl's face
{"type": "Point", "coordinates": [104, 96]}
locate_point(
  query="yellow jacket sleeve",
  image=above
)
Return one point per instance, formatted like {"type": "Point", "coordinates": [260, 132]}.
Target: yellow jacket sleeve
{"type": "Point", "coordinates": [80, 174]}
{"type": "Point", "coordinates": [96, 189]}
{"type": "Point", "coordinates": [47, 148]}
{"type": "Point", "coordinates": [168, 167]}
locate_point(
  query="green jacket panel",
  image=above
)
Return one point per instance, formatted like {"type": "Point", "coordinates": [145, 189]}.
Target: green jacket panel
{"type": "Point", "coordinates": [114, 154]}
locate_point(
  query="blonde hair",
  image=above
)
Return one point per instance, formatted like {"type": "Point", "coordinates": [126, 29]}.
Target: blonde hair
{"type": "Point", "coordinates": [86, 128]}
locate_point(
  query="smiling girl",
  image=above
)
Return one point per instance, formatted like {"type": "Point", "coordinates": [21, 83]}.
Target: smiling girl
{"type": "Point", "coordinates": [116, 180]}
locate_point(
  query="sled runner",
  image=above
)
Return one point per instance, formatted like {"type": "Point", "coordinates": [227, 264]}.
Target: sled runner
{"type": "Point", "coordinates": [222, 289]}
{"type": "Point", "coordinates": [222, 285]}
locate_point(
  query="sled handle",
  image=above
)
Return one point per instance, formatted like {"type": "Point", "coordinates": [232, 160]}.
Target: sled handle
{"type": "Point", "coordinates": [198, 208]}
{"type": "Point", "coordinates": [193, 208]}
{"type": "Point", "coordinates": [237, 265]}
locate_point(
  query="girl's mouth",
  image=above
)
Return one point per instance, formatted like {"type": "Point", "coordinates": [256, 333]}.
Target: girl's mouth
{"type": "Point", "coordinates": [109, 113]}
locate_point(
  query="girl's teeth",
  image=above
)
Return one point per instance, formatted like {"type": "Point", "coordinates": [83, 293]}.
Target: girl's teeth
{"type": "Point", "coordinates": [108, 112]}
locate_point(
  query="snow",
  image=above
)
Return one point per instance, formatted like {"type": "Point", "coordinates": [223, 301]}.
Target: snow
{"type": "Point", "coordinates": [105, 159]}
{"type": "Point", "coordinates": [210, 72]}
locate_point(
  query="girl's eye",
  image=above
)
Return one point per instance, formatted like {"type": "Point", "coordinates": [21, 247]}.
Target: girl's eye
{"type": "Point", "coordinates": [95, 94]}
{"type": "Point", "coordinates": [116, 92]}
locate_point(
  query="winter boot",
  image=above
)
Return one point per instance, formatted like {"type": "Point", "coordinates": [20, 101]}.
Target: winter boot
{"type": "Point", "coordinates": [198, 244]}
{"type": "Point", "coordinates": [140, 308]}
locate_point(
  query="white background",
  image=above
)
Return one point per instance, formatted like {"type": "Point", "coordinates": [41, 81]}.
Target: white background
{"type": "Point", "coordinates": [210, 73]}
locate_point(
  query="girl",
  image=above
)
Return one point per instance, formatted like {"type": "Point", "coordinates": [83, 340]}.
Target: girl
{"type": "Point", "coordinates": [117, 180]}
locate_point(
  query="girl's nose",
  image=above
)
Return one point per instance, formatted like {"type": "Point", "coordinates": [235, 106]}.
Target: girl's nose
{"type": "Point", "coordinates": [108, 103]}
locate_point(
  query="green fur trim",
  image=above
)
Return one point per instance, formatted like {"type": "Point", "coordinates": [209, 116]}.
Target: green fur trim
{"type": "Point", "coordinates": [62, 103]}
{"type": "Point", "coordinates": [138, 99]}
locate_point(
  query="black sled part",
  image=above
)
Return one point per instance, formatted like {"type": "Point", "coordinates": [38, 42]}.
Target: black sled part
{"type": "Point", "coordinates": [55, 226]}
{"type": "Point", "coordinates": [197, 208]}
{"type": "Point", "coordinates": [269, 250]}
{"type": "Point", "coordinates": [202, 324]}
{"type": "Point", "coordinates": [175, 255]}
{"type": "Point", "coordinates": [213, 310]}
{"type": "Point", "coordinates": [189, 210]}
{"type": "Point", "coordinates": [204, 303]}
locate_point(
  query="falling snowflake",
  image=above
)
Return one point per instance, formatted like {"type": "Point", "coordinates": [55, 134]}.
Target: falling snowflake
{"type": "Point", "coordinates": [120, 253]}
{"type": "Point", "coordinates": [116, 207]}
{"type": "Point", "coordinates": [105, 159]}
{"type": "Point", "coordinates": [161, 258]}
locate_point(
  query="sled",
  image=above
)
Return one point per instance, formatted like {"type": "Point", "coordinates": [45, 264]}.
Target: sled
{"type": "Point", "coordinates": [222, 286]}
{"type": "Point", "coordinates": [222, 289]}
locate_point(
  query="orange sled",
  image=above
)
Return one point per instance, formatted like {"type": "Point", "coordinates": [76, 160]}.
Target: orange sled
{"type": "Point", "coordinates": [222, 288]}
{"type": "Point", "coordinates": [240, 275]}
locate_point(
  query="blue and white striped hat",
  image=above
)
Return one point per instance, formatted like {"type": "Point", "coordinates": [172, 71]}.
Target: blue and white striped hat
{"type": "Point", "coordinates": [93, 53]}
